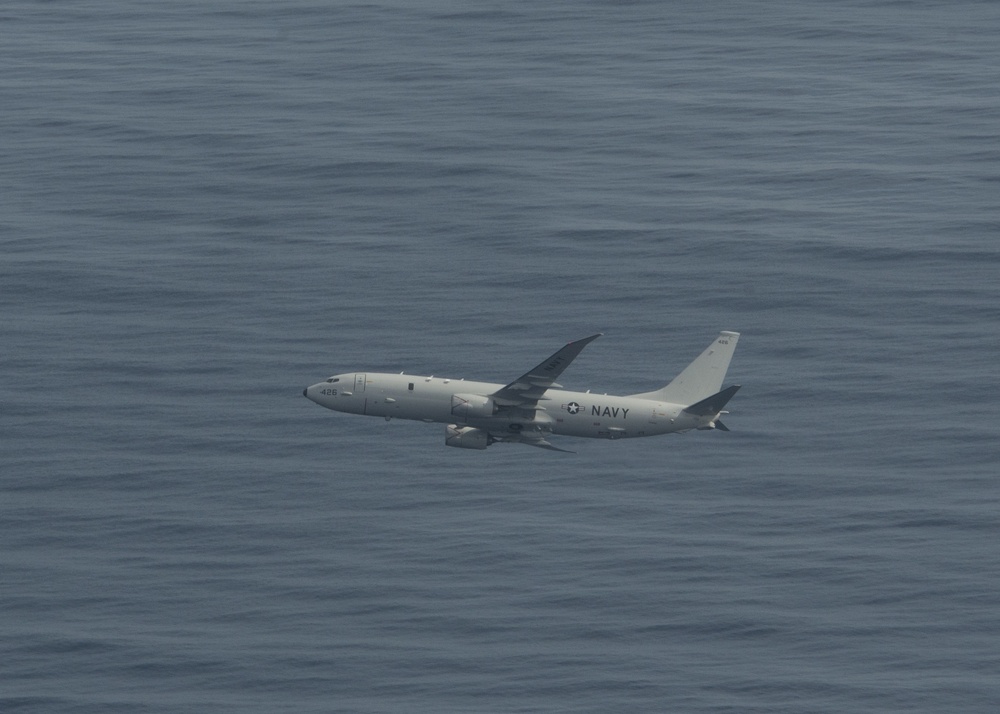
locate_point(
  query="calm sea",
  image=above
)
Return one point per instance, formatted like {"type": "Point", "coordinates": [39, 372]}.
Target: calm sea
{"type": "Point", "coordinates": [207, 205]}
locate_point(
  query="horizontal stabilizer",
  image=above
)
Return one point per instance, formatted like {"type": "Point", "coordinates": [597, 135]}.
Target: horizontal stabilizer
{"type": "Point", "coordinates": [713, 404]}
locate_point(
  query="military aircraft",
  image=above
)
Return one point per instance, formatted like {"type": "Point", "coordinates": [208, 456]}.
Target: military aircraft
{"type": "Point", "coordinates": [533, 407]}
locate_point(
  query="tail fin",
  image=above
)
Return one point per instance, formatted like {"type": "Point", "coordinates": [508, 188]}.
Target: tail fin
{"type": "Point", "coordinates": [701, 378]}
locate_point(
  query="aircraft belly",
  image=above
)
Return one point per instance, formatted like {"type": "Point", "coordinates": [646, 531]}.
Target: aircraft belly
{"type": "Point", "coordinates": [418, 409]}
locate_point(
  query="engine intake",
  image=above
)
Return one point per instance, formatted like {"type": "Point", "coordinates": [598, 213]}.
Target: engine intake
{"type": "Point", "coordinates": [466, 437]}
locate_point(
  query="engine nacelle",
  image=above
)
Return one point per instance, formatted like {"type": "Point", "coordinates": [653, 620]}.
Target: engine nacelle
{"type": "Point", "coordinates": [466, 437]}
{"type": "Point", "coordinates": [468, 406]}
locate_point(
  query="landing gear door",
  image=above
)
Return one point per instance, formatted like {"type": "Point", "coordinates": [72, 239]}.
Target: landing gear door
{"type": "Point", "coordinates": [359, 383]}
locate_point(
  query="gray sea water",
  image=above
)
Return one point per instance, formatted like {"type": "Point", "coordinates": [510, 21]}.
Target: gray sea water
{"type": "Point", "coordinates": [206, 206]}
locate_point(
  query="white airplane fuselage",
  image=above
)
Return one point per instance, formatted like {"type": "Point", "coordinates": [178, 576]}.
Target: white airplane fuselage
{"type": "Point", "coordinates": [431, 399]}
{"type": "Point", "coordinates": [534, 406]}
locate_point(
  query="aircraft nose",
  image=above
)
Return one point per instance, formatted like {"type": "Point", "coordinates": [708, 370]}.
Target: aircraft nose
{"type": "Point", "coordinates": [305, 392]}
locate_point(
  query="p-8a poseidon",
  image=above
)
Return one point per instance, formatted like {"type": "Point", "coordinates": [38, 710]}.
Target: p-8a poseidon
{"type": "Point", "coordinates": [533, 406]}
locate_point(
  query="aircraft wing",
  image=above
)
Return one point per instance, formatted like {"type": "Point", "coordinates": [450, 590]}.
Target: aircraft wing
{"type": "Point", "coordinates": [526, 390]}
{"type": "Point", "coordinates": [545, 444]}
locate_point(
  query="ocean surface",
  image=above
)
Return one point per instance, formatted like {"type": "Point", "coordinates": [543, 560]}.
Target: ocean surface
{"type": "Point", "coordinates": [206, 206]}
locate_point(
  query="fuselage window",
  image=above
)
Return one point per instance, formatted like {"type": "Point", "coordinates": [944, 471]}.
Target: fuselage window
{"type": "Point", "coordinates": [331, 380]}
{"type": "Point", "coordinates": [410, 387]}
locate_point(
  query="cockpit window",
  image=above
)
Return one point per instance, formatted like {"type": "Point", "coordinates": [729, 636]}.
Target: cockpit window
{"type": "Point", "coordinates": [331, 380]}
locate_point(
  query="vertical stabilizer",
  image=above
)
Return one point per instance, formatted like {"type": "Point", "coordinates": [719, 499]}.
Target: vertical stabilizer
{"type": "Point", "coordinates": [703, 377]}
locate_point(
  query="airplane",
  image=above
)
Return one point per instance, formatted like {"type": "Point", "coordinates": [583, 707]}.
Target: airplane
{"type": "Point", "coordinates": [534, 407]}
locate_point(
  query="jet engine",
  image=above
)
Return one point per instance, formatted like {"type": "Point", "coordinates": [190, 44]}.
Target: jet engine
{"type": "Point", "coordinates": [466, 437]}
{"type": "Point", "coordinates": [466, 406]}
